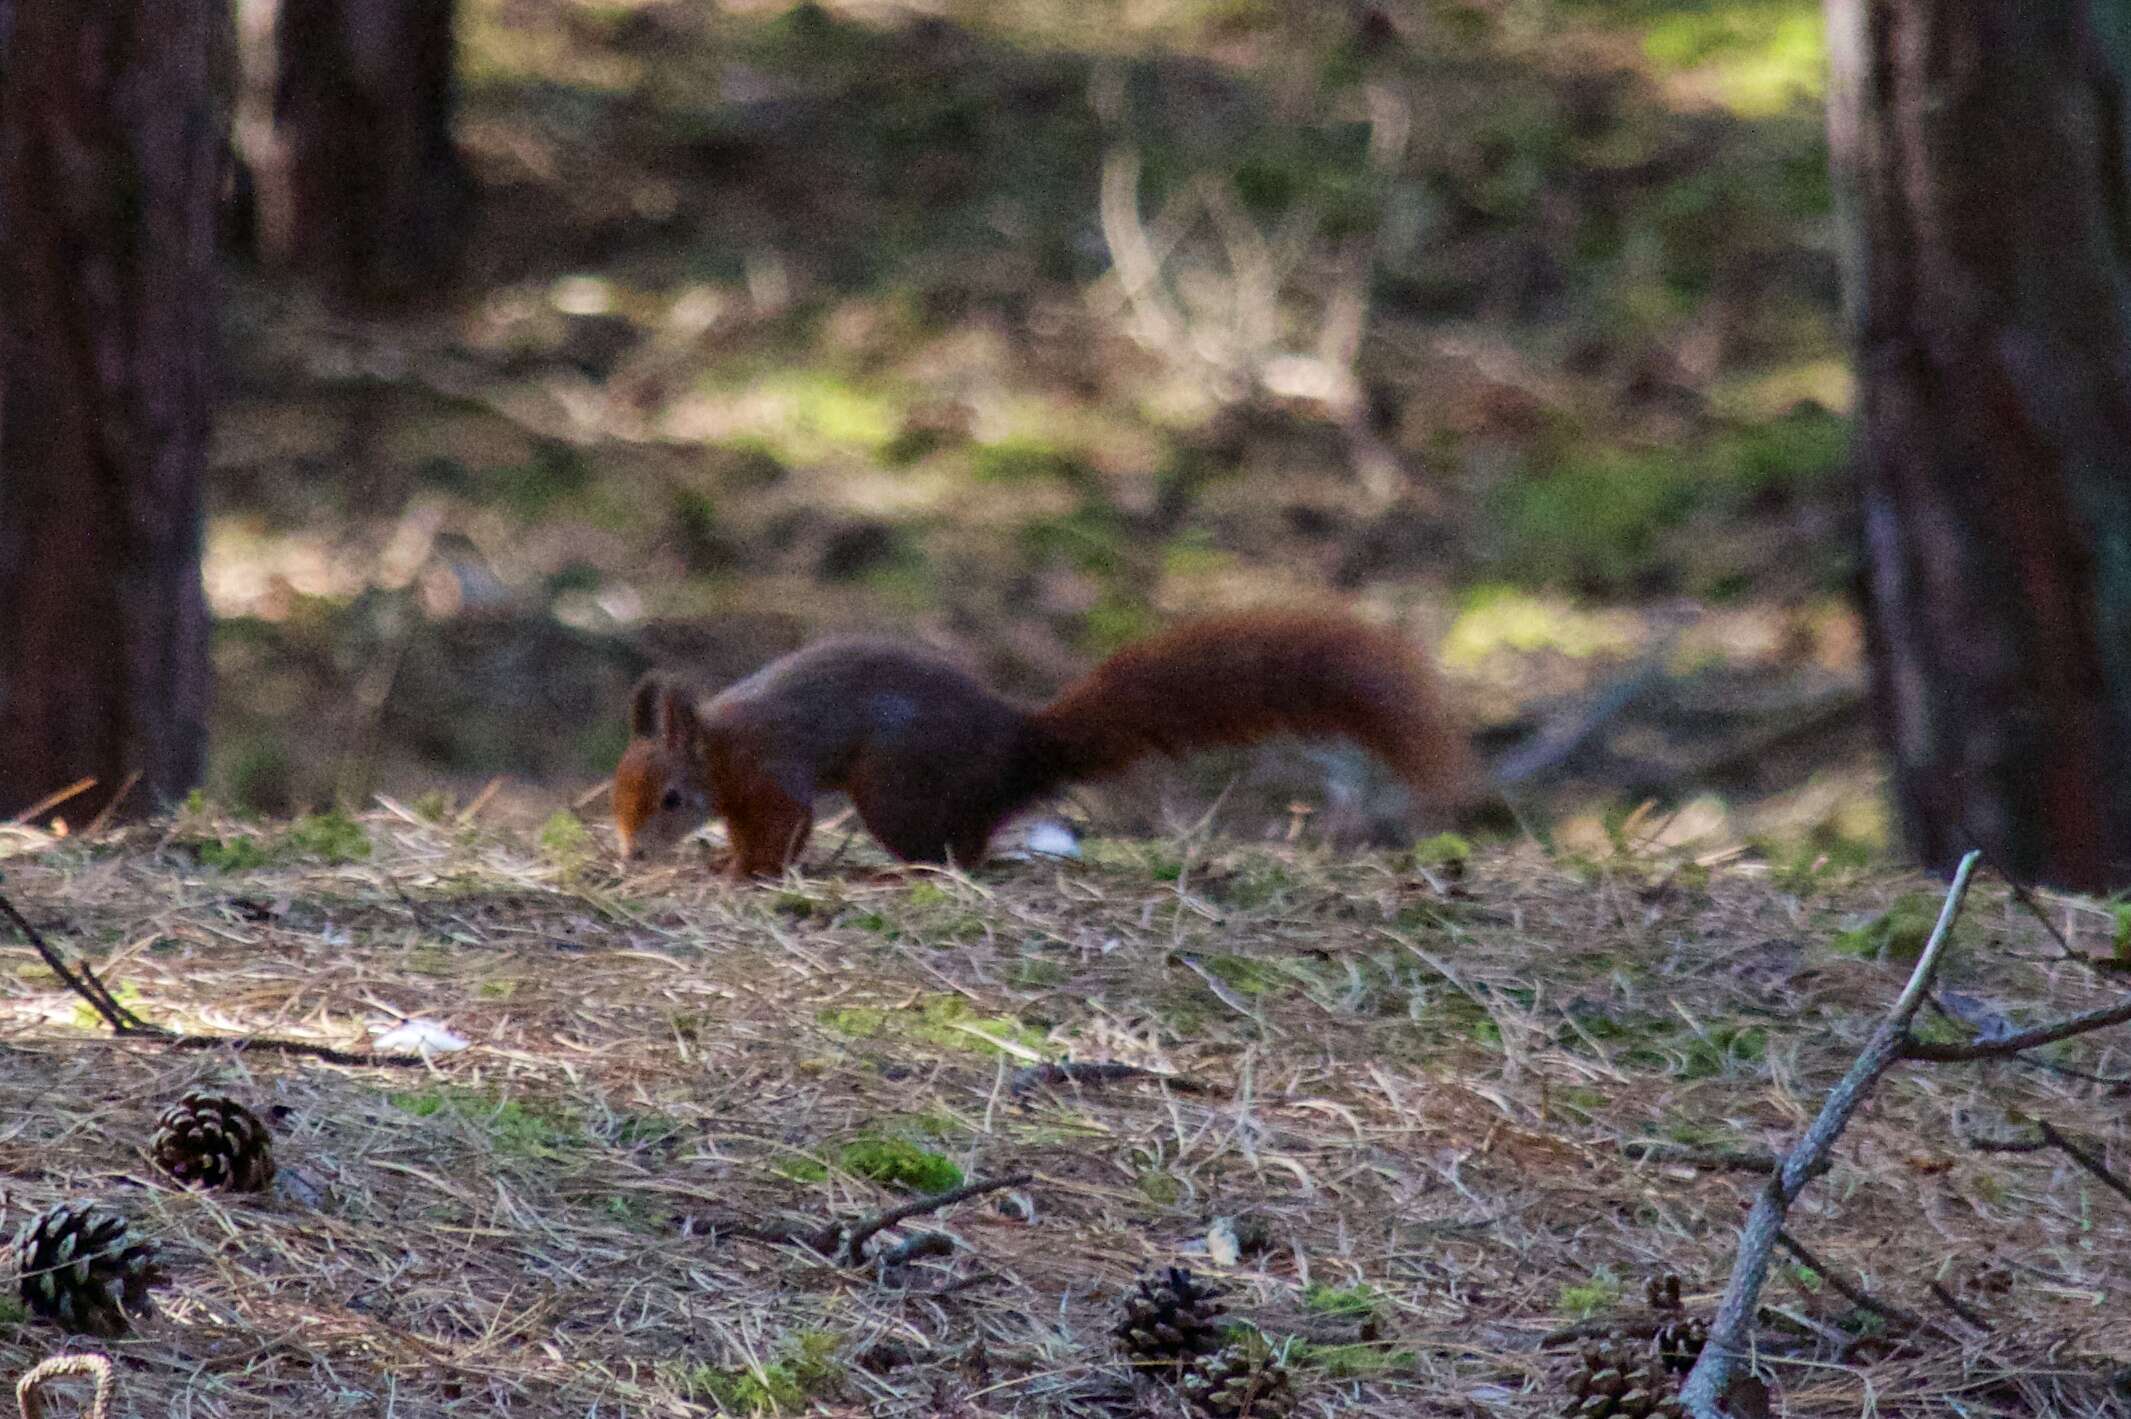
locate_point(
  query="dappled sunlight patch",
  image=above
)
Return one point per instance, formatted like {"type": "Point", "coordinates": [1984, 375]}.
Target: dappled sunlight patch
{"type": "Point", "coordinates": [1767, 394]}
{"type": "Point", "coordinates": [1497, 620]}
{"type": "Point", "coordinates": [249, 571]}
{"type": "Point", "coordinates": [795, 414]}
{"type": "Point", "coordinates": [1757, 60]}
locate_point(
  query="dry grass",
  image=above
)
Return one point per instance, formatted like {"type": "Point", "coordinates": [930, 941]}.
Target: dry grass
{"type": "Point", "coordinates": [1422, 1089]}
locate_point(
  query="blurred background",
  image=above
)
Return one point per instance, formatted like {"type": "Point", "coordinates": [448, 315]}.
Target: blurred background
{"type": "Point", "coordinates": [1029, 327]}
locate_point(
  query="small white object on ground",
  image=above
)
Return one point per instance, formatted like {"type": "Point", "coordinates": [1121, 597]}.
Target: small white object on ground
{"type": "Point", "coordinates": [1050, 838]}
{"type": "Point", "coordinates": [1222, 1243]}
{"type": "Point", "coordinates": [419, 1036]}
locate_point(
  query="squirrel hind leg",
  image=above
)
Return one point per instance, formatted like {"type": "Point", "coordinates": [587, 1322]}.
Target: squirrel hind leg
{"type": "Point", "coordinates": [922, 829]}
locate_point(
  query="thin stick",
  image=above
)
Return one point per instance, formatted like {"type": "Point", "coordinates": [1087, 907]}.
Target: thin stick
{"type": "Point", "coordinates": [922, 1245]}
{"type": "Point", "coordinates": [1602, 1328]}
{"type": "Point", "coordinates": [2051, 1138]}
{"type": "Point", "coordinates": [1855, 1295]}
{"type": "Point", "coordinates": [85, 985]}
{"type": "Point", "coordinates": [126, 1025]}
{"type": "Point", "coordinates": [1953, 1303]}
{"type": "Point", "coordinates": [481, 800]}
{"type": "Point", "coordinates": [1727, 1334]}
{"type": "Point", "coordinates": [1718, 1160]}
{"type": "Point", "coordinates": [847, 1242]}
{"type": "Point", "coordinates": [105, 813]}
{"type": "Point", "coordinates": [1096, 1071]}
{"type": "Point", "coordinates": [2022, 894]}
{"type": "Point", "coordinates": [2020, 1040]}
{"type": "Point", "coordinates": [2086, 1160]}
{"type": "Point", "coordinates": [2047, 1066]}
{"type": "Point", "coordinates": [855, 1239]}
{"type": "Point", "coordinates": [53, 799]}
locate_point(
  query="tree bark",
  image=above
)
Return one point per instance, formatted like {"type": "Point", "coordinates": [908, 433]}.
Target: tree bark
{"type": "Point", "coordinates": [1980, 154]}
{"type": "Point", "coordinates": [347, 138]}
{"type": "Point", "coordinates": [110, 153]}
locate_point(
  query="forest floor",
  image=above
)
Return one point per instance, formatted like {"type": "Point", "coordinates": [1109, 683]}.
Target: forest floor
{"type": "Point", "coordinates": [1421, 1089]}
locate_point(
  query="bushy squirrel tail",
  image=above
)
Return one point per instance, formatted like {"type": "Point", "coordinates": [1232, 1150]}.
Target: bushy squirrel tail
{"type": "Point", "coordinates": [1238, 679]}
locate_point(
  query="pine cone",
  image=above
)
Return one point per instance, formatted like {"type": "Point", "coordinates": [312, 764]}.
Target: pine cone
{"type": "Point", "coordinates": [1620, 1381]}
{"type": "Point", "coordinates": [77, 1269]}
{"type": "Point", "coordinates": [1239, 1382]}
{"type": "Point", "coordinates": [207, 1140]}
{"type": "Point", "coordinates": [1679, 1343]}
{"type": "Point", "coordinates": [1171, 1321]}
{"type": "Point", "coordinates": [1680, 1337]}
{"type": "Point", "coordinates": [1663, 1292]}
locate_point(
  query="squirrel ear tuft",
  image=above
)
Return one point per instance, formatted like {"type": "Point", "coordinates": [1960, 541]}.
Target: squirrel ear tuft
{"type": "Point", "coordinates": [644, 706]}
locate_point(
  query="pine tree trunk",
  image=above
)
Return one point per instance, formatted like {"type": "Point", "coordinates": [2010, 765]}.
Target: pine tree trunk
{"type": "Point", "coordinates": [1982, 173]}
{"type": "Point", "coordinates": [347, 139]}
{"type": "Point", "coordinates": [110, 155]}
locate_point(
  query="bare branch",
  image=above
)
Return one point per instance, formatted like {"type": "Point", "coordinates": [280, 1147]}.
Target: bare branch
{"type": "Point", "coordinates": [85, 984]}
{"type": "Point", "coordinates": [924, 1244]}
{"type": "Point", "coordinates": [2020, 1040]}
{"type": "Point", "coordinates": [2024, 895]}
{"type": "Point", "coordinates": [1764, 1225]}
{"type": "Point", "coordinates": [2049, 1137]}
{"type": "Point", "coordinates": [1855, 1295]}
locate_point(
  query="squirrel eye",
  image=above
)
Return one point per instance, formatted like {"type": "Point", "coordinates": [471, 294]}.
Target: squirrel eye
{"type": "Point", "coordinates": [672, 800]}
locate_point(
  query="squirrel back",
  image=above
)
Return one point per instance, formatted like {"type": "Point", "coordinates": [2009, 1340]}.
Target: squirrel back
{"type": "Point", "coordinates": [934, 761]}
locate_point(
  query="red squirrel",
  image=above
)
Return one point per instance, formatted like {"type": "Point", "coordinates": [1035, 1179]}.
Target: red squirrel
{"type": "Point", "coordinates": [933, 761]}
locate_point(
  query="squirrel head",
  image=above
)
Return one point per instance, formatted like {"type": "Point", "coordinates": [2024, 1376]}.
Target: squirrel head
{"type": "Point", "coordinates": [660, 793]}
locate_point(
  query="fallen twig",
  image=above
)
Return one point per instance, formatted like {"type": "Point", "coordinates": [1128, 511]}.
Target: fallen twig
{"type": "Point", "coordinates": [1603, 1328]}
{"type": "Point", "coordinates": [1706, 1383]}
{"type": "Point", "coordinates": [2020, 1040]}
{"type": "Point", "coordinates": [923, 1244]}
{"type": "Point", "coordinates": [1718, 1160]}
{"type": "Point", "coordinates": [2025, 896]}
{"type": "Point", "coordinates": [855, 1238]}
{"type": "Point", "coordinates": [2048, 1136]}
{"type": "Point", "coordinates": [1984, 1034]}
{"type": "Point", "coordinates": [1556, 744]}
{"type": "Point", "coordinates": [1855, 1295]}
{"type": "Point", "coordinates": [126, 1025]}
{"type": "Point", "coordinates": [845, 1242]}
{"type": "Point", "coordinates": [1095, 1071]}
{"type": "Point", "coordinates": [1960, 1308]}
{"type": "Point", "coordinates": [85, 984]}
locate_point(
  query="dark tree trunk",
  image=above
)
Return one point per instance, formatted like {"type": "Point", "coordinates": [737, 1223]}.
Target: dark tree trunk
{"type": "Point", "coordinates": [1981, 167]}
{"type": "Point", "coordinates": [110, 153]}
{"type": "Point", "coordinates": [347, 138]}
